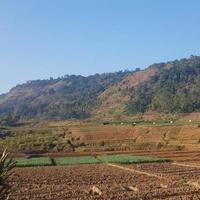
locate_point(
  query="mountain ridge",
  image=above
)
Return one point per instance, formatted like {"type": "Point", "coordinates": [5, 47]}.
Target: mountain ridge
{"type": "Point", "coordinates": [66, 97]}
{"type": "Point", "coordinates": [123, 92]}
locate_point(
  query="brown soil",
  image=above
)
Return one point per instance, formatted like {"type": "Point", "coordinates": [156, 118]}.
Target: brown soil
{"type": "Point", "coordinates": [114, 97]}
{"type": "Point", "coordinates": [155, 181]}
{"type": "Point", "coordinates": [127, 137]}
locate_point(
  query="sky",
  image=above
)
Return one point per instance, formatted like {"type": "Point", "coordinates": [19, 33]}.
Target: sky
{"type": "Point", "coordinates": [50, 38]}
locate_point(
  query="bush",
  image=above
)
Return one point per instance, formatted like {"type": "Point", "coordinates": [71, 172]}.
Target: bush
{"type": "Point", "coordinates": [5, 168]}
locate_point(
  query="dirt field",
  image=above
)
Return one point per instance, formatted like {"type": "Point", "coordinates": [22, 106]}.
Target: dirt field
{"type": "Point", "coordinates": [177, 180]}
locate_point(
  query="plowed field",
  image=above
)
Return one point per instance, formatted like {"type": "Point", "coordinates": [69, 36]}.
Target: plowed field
{"type": "Point", "coordinates": [177, 180]}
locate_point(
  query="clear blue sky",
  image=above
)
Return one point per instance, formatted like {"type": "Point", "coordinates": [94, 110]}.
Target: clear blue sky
{"type": "Point", "coordinates": [44, 38]}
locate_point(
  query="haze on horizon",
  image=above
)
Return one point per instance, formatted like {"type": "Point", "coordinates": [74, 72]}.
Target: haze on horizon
{"type": "Point", "coordinates": [42, 39]}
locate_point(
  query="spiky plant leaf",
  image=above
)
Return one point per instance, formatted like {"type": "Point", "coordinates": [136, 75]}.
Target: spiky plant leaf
{"type": "Point", "coordinates": [5, 171]}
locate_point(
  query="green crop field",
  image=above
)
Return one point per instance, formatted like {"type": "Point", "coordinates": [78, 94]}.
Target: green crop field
{"type": "Point", "coordinates": [32, 162]}
{"type": "Point", "coordinates": [46, 161]}
{"type": "Point", "coordinates": [76, 160]}
{"type": "Point", "coordinates": [127, 159]}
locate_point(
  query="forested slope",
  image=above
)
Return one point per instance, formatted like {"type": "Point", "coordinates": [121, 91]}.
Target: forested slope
{"type": "Point", "coordinates": [164, 87]}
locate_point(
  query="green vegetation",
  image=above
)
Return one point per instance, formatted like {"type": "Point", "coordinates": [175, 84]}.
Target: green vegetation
{"type": "Point", "coordinates": [76, 160]}
{"type": "Point", "coordinates": [46, 161]}
{"type": "Point", "coordinates": [32, 162]}
{"type": "Point", "coordinates": [25, 139]}
{"type": "Point", "coordinates": [174, 88]}
{"type": "Point", "coordinates": [5, 167]}
{"type": "Point", "coordinates": [165, 120]}
{"type": "Point", "coordinates": [9, 120]}
{"type": "Point", "coordinates": [142, 122]}
{"type": "Point", "coordinates": [67, 97]}
{"type": "Point", "coordinates": [128, 159]}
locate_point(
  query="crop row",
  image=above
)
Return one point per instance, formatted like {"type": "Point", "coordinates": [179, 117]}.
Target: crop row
{"type": "Point", "coordinates": [47, 161]}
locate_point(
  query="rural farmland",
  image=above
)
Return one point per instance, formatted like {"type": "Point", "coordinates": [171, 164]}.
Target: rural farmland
{"type": "Point", "coordinates": [99, 100]}
{"type": "Point", "coordinates": [151, 159]}
{"type": "Point", "coordinates": [177, 179]}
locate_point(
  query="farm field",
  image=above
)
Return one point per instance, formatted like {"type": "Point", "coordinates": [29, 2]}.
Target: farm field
{"type": "Point", "coordinates": [177, 180]}
{"type": "Point", "coordinates": [62, 172]}
{"type": "Point", "coordinates": [92, 136]}
{"type": "Point", "coordinates": [23, 162]}
{"type": "Point", "coordinates": [127, 159]}
{"type": "Point", "coordinates": [100, 100]}
{"type": "Point", "coordinates": [77, 160]}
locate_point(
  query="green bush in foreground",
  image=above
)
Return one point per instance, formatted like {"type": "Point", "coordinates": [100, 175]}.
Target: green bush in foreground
{"type": "Point", "coordinates": [128, 159]}
{"type": "Point", "coordinates": [76, 160]}
{"type": "Point", "coordinates": [5, 168]}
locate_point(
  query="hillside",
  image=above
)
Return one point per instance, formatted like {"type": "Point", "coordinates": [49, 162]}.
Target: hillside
{"type": "Point", "coordinates": [61, 98]}
{"type": "Point", "coordinates": [116, 99]}
{"type": "Point", "coordinates": [171, 87]}
{"type": "Point", "coordinates": [175, 89]}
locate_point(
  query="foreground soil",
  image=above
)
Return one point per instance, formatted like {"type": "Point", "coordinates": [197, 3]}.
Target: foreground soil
{"type": "Point", "coordinates": [177, 180]}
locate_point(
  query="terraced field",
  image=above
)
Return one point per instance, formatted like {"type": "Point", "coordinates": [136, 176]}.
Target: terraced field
{"type": "Point", "coordinates": [176, 180]}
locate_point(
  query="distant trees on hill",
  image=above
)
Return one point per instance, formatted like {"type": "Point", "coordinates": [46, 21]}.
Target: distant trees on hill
{"type": "Point", "coordinates": [67, 97]}
{"type": "Point", "coordinates": [176, 89]}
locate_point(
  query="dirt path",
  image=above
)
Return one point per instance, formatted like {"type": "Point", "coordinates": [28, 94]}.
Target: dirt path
{"type": "Point", "coordinates": [193, 184]}
{"type": "Point", "coordinates": [136, 171]}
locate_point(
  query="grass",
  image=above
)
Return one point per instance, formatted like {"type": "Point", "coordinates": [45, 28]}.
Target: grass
{"type": "Point", "coordinates": [128, 159]}
{"type": "Point", "coordinates": [33, 162]}
{"type": "Point", "coordinates": [156, 122]}
{"type": "Point", "coordinates": [76, 160]}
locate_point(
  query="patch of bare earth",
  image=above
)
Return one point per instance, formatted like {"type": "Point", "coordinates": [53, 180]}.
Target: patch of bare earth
{"type": "Point", "coordinates": [102, 181]}
{"type": "Point", "coordinates": [115, 96]}
{"type": "Point", "coordinates": [76, 182]}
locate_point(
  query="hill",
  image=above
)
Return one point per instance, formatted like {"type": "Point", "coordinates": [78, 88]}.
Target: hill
{"type": "Point", "coordinates": [171, 87]}
{"type": "Point", "coordinates": [114, 100]}
{"type": "Point", "coordinates": [70, 96]}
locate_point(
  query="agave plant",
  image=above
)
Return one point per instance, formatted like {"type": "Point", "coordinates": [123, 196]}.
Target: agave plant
{"type": "Point", "coordinates": [5, 171]}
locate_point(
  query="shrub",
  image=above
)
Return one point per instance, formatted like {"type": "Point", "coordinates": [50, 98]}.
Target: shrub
{"type": "Point", "coordinates": [5, 168]}
{"type": "Point", "coordinates": [102, 143]}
